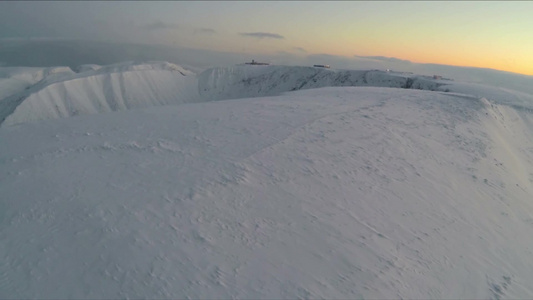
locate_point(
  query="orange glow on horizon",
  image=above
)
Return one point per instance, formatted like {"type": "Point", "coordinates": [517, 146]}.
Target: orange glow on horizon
{"type": "Point", "coordinates": [507, 58]}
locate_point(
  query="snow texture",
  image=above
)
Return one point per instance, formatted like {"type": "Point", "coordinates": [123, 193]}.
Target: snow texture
{"type": "Point", "coordinates": [52, 93]}
{"type": "Point", "coordinates": [59, 92]}
{"type": "Point", "coordinates": [97, 89]}
{"type": "Point", "coordinates": [333, 192]}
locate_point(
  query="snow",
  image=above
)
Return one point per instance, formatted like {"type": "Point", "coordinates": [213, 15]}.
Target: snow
{"type": "Point", "coordinates": [60, 92]}
{"type": "Point", "coordinates": [87, 67]}
{"type": "Point", "coordinates": [256, 81]}
{"type": "Point", "coordinates": [495, 93]}
{"type": "Point", "coordinates": [398, 187]}
{"type": "Point", "coordinates": [16, 79]}
{"type": "Point", "coordinates": [104, 89]}
{"type": "Point", "coordinates": [337, 192]}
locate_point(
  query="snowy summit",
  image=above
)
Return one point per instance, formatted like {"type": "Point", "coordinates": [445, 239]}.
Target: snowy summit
{"type": "Point", "coordinates": [147, 180]}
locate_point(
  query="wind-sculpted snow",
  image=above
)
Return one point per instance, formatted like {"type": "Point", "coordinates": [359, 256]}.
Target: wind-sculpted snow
{"type": "Point", "coordinates": [31, 94]}
{"type": "Point", "coordinates": [96, 89]}
{"type": "Point", "coordinates": [336, 193]}
{"type": "Point", "coordinates": [16, 79]}
{"type": "Point", "coordinates": [495, 94]}
{"type": "Point", "coordinates": [254, 81]}
{"type": "Point", "coordinates": [101, 89]}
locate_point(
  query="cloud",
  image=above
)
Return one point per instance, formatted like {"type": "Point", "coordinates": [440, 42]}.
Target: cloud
{"type": "Point", "coordinates": [384, 58]}
{"type": "Point", "coordinates": [262, 35]}
{"type": "Point", "coordinates": [204, 31]}
{"type": "Point", "coordinates": [158, 25]}
{"type": "Point", "coordinates": [300, 49]}
{"type": "Point", "coordinates": [329, 59]}
{"type": "Point", "coordinates": [281, 52]}
{"type": "Point", "coordinates": [350, 63]}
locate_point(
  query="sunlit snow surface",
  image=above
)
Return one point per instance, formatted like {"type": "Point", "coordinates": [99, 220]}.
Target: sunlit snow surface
{"type": "Point", "coordinates": [334, 192]}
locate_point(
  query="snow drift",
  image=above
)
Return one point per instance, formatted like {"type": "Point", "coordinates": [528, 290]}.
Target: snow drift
{"type": "Point", "coordinates": [346, 192]}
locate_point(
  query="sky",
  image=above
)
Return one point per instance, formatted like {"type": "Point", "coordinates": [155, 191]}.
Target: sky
{"type": "Point", "coordinates": [496, 35]}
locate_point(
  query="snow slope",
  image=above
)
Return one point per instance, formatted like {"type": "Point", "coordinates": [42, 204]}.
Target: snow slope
{"type": "Point", "coordinates": [97, 89]}
{"type": "Point", "coordinates": [338, 193]}
{"type": "Point", "coordinates": [60, 92]}
{"type": "Point", "coordinates": [101, 89]}
{"type": "Point", "coordinates": [255, 81]}
{"type": "Point", "coordinates": [16, 79]}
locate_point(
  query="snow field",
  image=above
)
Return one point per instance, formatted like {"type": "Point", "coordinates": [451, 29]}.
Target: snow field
{"type": "Point", "coordinates": [345, 192]}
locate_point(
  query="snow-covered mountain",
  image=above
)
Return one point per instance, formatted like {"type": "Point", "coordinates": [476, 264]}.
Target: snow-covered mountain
{"type": "Point", "coordinates": [98, 89]}
{"type": "Point", "coordinates": [357, 184]}
{"type": "Point", "coordinates": [255, 81]}
{"type": "Point", "coordinates": [50, 93]}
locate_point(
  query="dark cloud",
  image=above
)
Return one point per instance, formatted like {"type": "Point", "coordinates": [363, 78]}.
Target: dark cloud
{"type": "Point", "coordinates": [158, 25]}
{"type": "Point", "coordinates": [384, 58]}
{"type": "Point", "coordinates": [262, 35]}
{"type": "Point", "coordinates": [300, 49]}
{"type": "Point", "coordinates": [204, 31]}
